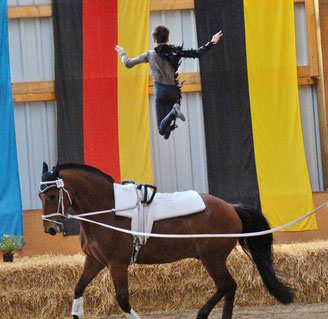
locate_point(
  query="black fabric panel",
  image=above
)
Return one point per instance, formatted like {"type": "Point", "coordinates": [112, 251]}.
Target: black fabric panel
{"type": "Point", "coordinates": [68, 71]}
{"type": "Point", "coordinates": [228, 128]}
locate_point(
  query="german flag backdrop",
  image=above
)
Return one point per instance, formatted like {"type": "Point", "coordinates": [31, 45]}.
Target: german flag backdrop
{"type": "Point", "coordinates": [102, 107]}
{"type": "Point", "coordinates": [254, 141]}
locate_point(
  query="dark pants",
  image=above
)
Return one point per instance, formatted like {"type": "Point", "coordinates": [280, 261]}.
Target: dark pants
{"type": "Point", "coordinates": [165, 97]}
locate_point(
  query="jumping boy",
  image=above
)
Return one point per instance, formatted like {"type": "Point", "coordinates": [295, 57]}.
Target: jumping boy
{"type": "Point", "coordinates": [164, 61]}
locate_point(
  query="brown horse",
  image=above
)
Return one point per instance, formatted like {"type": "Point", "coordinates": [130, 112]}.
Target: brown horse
{"type": "Point", "coordinates": [87, 189]}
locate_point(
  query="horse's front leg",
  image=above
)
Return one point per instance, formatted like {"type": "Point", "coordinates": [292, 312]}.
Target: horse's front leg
{"type": "Point", "coordinates": [119, 273]}
{"type": "Point", "coordinates": [91, 269]}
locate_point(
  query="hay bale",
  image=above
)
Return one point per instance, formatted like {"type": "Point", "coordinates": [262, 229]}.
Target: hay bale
{"type": "Point", "coordinates": [43, 286]}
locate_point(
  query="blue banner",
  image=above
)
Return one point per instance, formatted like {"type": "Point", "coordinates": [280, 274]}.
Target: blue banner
{"type": "Point", "coordinates": [11, 216]}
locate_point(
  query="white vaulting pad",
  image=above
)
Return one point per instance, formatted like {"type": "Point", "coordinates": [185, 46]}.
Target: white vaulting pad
{"type": "Point", "coordinates": [125, 196]}
{"type": "Point", "coordinates": [169, 205]}
{"type": "Point", "coordinates": [164, 205]}
{"type": "Point", "coordinates": [128, 204]}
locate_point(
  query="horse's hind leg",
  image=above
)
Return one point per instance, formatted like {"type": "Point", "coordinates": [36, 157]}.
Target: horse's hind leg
{"type": "Point", "coordinates": [91, 269]}
{"type": "Point", "coordinates": [226, 287]}
{"type": "Point", "coordinates": [119, 274]}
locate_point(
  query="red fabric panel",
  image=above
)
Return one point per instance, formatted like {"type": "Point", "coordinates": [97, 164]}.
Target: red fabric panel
{"type": "Point", "coordinates": [100, 117]}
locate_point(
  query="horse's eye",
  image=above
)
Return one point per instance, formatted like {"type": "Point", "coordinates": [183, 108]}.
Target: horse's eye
{"type": "Point", "coordinates": [52, 196]}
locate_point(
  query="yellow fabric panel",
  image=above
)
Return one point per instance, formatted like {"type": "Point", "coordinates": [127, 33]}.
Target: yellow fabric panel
{"type": "Point", "coordinates": [284, 186]}
{"type": "Point", "coordinates": [133, 114]}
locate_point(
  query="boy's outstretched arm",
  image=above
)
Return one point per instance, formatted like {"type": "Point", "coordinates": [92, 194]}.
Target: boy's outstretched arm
{"type": "Point", "coordinates": [203, 49]}
{"type": "Point", "coordinates": [129, 63]}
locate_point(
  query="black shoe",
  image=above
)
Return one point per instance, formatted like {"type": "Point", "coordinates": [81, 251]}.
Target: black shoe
{"type": "Point", "coordinates": [167, 134]}
{"type": "Point", "coordinates": [178, 113]}
{"type": "Point", "coordinates": [171, 128]}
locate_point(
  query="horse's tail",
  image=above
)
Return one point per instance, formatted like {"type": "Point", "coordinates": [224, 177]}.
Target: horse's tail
{"type": "Point", "coordinates": [260, 249]}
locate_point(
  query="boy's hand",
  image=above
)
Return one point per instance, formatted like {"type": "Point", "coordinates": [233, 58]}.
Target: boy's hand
{"type": "Point", "coordinates": [216, 37]}
{"type": "Point", "coordinates": [119, 50]}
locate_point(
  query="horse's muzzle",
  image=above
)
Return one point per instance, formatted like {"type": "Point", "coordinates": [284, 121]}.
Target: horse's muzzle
{"type": "Point", "coordinates": [53, 230]}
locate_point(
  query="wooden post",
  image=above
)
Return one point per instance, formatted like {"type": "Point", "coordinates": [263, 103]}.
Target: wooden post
{"type": "Point", "coordinates": [321, 18]}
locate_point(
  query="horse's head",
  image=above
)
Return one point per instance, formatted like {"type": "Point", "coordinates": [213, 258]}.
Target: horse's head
{"type": "Point", "coordinates": [55, 200]}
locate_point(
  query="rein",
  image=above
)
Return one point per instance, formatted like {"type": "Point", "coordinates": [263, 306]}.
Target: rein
{"type": "Point", "coordinates": [59, 183]}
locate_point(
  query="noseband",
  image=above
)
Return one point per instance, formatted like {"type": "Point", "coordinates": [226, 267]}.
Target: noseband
{"type": "Point", "coordinates": [59, 183]}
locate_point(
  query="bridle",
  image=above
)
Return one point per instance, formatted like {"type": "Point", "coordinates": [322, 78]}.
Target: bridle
{"type": "Point", "coordinates": [59, 183]}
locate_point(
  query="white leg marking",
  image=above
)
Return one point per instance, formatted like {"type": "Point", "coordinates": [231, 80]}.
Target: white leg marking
{"type": "Point", "coordinates": [132, 315]}
{"type": "Point", "coordinates": [77, 308]}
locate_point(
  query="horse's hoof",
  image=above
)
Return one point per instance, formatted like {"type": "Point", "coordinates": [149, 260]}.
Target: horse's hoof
{"type": "Point", "coordinates": [76, 317]}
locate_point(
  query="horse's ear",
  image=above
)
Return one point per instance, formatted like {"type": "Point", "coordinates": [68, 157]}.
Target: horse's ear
{"type": "Point", "coordinates": [55, 171]}
{"type": "Point", "coordinates": [45, 168]}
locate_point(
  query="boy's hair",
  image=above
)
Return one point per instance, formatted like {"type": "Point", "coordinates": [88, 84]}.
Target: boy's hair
{"type": "Point", "coordinates": [161, 34]}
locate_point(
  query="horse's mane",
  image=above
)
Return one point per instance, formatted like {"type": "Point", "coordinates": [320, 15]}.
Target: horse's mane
{"type": "Point", "coordinates": [86, 168]}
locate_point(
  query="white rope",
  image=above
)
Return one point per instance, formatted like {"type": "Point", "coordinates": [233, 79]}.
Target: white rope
{"type": "Point", "coordinates": [113, 210]}
{"type": "Point", "coordinates": [261, 233]}
{"type": "Point", "coordinates": [51, 220]}
{"type": "Point", "coordinates": [60, 185]}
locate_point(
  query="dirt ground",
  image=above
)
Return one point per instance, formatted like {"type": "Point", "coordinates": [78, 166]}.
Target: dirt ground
{"type": "Point", "coordinates": [295, 311]}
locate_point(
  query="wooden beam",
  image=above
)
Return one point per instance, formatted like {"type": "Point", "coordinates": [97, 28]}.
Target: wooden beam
{"type": "Point", "coordinates": [42, 11]}
{"type": "Point", "coordinates": [307, 81]}
{"type": "Point", "coordinates": [165, 5]}
{"type": "Point", "coordinates": [33, 87]}
{"type": "Point", "coordinates": [303, 71]}
{"type": "Point", "coordinates": [37, 97]}
{"type": "Point", "coordinates": [33, 91]}
{"type": "Point", "coordinates": [304, 76]}
{"type": "Point", "coordinates": [45, 91]}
